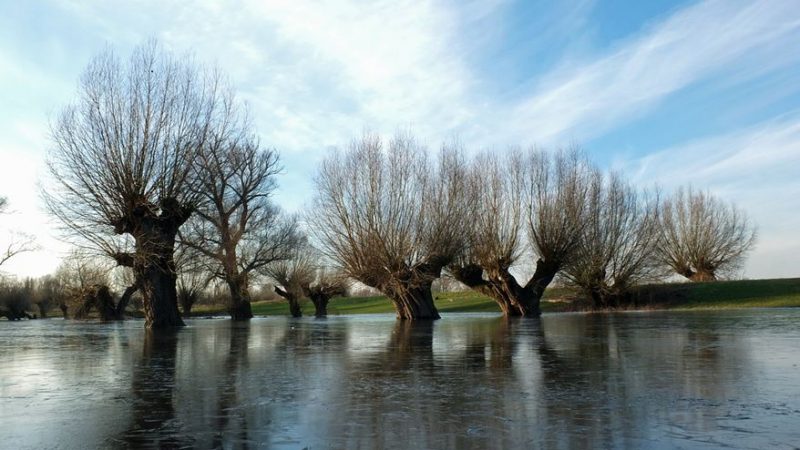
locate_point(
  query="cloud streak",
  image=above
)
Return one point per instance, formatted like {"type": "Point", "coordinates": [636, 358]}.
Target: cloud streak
{"type": "Point", "coordinates": [704, 40]}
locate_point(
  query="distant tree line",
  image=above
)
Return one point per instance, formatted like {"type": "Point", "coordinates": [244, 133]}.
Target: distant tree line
{"type": "Point", "coordinates": [156, 166]}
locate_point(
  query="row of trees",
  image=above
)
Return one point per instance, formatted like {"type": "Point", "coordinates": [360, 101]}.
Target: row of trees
{"type": "Point", "coordinates": [157, 156]}
{"type": "Point", "coordinates": [395, 220]}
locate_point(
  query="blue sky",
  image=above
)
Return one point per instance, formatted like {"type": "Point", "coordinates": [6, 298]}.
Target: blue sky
{"type": "Point", "coordinates": [706, 93]}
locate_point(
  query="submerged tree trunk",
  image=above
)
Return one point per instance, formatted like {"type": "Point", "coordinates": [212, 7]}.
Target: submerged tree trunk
{"type": "Point", "coordinates": [239, 308]}
{"type": "Point", "coordinates": [105, 304]}
{"type": "Point", "coordinates": [414, 302]}
{"type": "Point", "coordinates": [294, 301]}
{"type": "Point", "coordinates": [187, 298]}
{"type": "Point", "coordinates": [514, 300]}
{"type": "Point", "coordinates": [125, 299]}
{"type": "Point", "coordinates": [99, 298]}
{"type": "Point", "coordinates": [160, 298]}
{"type": "Point", "coordinates": [154, 230]}
{"type": "Point", "coordinates": [12, 315]}
{"type": "Point", "coordinates": [322, 294]}
{"type": "Point", "coordinates": [42, 310]}
{"type": "Point", "coordinates": [320, 301]}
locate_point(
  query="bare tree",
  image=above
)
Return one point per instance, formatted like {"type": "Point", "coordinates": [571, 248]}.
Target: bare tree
{"type": "Point", "coordinates": [326, 284]}
{"type": "Point", "coordinates": [193, 277]}
{"type": "Point", "coordinates": [391, 219]}
{"type": "Point", "coordinates": [82, 277]}
{"type": "Point", "coordinates": [15, 300]}
{"type": "Point", "coordinates": [121, 164]}
{"type": "Point", "coordinates": [238, 228]}
{"type": "Point", "coordinates": [304, 275]}
{"type": "Point", "coordinates": [49, 291]}
{"type": "Point", "coordinates": [293, 276]}
{"type": "Point", "coordinates": [618, 243]}
{"type": "Point", "coordinates": [702, 236]}
{"type": "Point", "coordinates": [19, 242]}
{"type": "Point", "coordinates": [536, 192]}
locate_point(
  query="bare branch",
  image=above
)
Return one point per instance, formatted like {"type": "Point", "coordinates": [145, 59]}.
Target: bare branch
{"type": "Point", "coordinates": [701, 236]}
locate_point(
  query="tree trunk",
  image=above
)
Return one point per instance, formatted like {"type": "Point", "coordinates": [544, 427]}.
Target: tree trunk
{"type": "Point", "coordinates": [514, 300]}
{"type": "Point", "coordinates": [187, 300]}
{"type": "Point", "coordinates": [414, 303]}
{"type": "Point", "coordinates": [703, 275]}
{"type": "Point", "coordinates": [240, 308]}
{"type": "Point", "coordinates": [98, 297]}
{"type": "Point", "coordinates": [105, 304]}
{"type": "Point", "coordinates": [154, 228]}
{"type": "Point", "coordinates": [322, 294]}
{"type": "Point", "coordinates": [159, 296]}
{"type": "Point", "coordinates": [294, 308]}
{"type": "Point", "coordinates": [320, 301]}
{"type": "Point", "coordinates": [125, 300]}
{"type": "Point", "coordinates": [598, 299]}
{"type": "Point", "coordinates": [294, 301]}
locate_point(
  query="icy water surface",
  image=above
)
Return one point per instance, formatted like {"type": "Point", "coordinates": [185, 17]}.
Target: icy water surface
{"type": "Point", "coordinates": [571, 381]}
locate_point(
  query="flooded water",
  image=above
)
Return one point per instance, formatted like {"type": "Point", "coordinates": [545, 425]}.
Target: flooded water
{"type": "Point", "coordinates": [567, 381]}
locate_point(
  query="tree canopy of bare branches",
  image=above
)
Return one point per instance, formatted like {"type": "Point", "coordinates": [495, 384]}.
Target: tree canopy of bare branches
{"type": "Point", "coordinates": [618, 242]}
{"type": "Point", "coordinates": [536, 192]}
{"type": "Point", "coordinates": [122, 178]}
{"type": "Point", "coordinates": [326, 284]}
{"type": "Point", "coordinates": [238, 228]}
{"type": "Point", "coordinates": [702, 236]}
{"type": "Point", "coordinates": [194, 277]}
{"type": "Point", "coordinates": [293, 275]}
{"type": "Point", "coordinates": [304, 274]}
{"type": "Point", "coordinates": [391, 219]}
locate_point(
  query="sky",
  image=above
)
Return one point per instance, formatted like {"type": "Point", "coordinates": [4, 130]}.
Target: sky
{"type": "Point", "coordinates": [670, 93]}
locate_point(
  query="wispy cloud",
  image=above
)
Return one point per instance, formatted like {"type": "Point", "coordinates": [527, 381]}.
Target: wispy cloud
{"type": "Point", "coordinates": [712, 38]}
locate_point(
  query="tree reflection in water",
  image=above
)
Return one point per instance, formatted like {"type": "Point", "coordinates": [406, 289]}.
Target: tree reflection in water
{"type": "Point", "coordinates": [152, 387]}
{"type": "Point", "coordinates": [231, 423]}
{"type": "Point", "coordinates": [565, 381]}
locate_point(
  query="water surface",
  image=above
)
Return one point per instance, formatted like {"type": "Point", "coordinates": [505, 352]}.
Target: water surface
{"type": "Point", "coordinates": [633, 380]}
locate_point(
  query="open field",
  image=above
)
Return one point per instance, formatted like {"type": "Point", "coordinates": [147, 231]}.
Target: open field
{"type": "Point", "coordinates": [711, 295]}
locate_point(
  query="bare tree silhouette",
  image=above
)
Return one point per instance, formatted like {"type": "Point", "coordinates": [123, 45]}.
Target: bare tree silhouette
{"type": "Point", "coordinates": [391, 219]}
{"type": "Point", "coordinates": [702, 236]}
{"type": "Point", "coordinates": [121, 166]}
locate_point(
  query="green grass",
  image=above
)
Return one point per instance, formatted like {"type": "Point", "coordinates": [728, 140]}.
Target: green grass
{"type": "Point", "coordinates": [712, 295]}
{"type": "Point", "coordinates": [774, 293]}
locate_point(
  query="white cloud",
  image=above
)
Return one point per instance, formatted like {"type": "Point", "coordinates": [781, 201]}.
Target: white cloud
{"type": "Point", "coordinates": [756, 168]}
{"type": "Point", "coordinates": [581, 101]}
{"type": "Point", "coordinates": [316, 73]}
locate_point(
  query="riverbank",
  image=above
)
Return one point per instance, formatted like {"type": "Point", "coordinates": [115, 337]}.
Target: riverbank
{"type": "Point", "coordinates": [774, 293]}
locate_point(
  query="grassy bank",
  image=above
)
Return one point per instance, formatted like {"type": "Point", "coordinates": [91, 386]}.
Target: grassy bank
{"type": "Point", "coordinates": [712, 295]}
{"type": "Point", "coordinates": [776, 293]}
